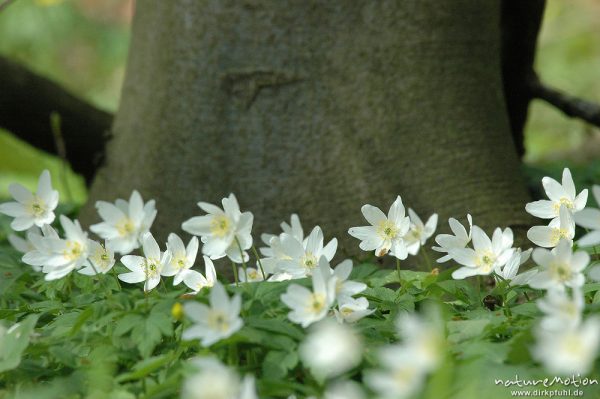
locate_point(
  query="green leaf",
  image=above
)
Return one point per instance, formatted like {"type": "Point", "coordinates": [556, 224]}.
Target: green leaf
{"type": "Point", "coordinates": [462, 330]}
{"type": "Point", "coordinates": [14, 341]}
{"type": "Point", "coordinates": [127, 323]}
{"type": "Point", "coordinates": [277, 363]}
{"type": "Point", "coordinates": [519, 348]}
{"type": "Point", "coordinates": [280, 326]}
{"type": "Point", "coordinates": [146, 367]}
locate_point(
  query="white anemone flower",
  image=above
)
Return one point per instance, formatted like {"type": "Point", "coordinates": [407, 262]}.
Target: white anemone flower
{"type": "Point", "coordinates": [125, 223]}
{"type": "Point", "coordinates": [24, 245]}
{"type": "Point", "coordinates": [30, 209]}
{"type": "Point", "coordinates": [330, 349]}
{"type": "Point", "coordinates": [182, 257]}
{"type": "Point", "coordinates": [145, 268]}
{"type": "Point", "coordinates": [214, 380]}
{"type": "Point", "coordinates": [559, 268]}
{"type": "Point", "coordinates": [273, 255]}
{"type": "Point", "coordinates": [250, 275]}
{"type": "Point", "coordinates": [350, 310]}
{"type": "Point", "coordinates": [559, 195]}
{"type": "Point", "coordinates": [274, 251]}
{"type": "Point", "coordinates": [38, 256]}
{"type": "Point", "coordinates": [220, 230]}
{"type": "Point", "coordinates": [386, 233]}
{"type": "Point", "coordinates": [419, 232]}
{"type": "Point", "coordinates": [195, 281]}
{"type": "Point", "coordinates": [559, 228]}
{"type": "Point", "coordinates": [568, 351]}
{"type": "Point", "coordinates": [459, 239]}
{"type": "Point", "coordinates": [101, 259]}
{"type": "Point", "coordinates": [561, 310]}
{"type": "Point", "coordinates": [344, 288]}
{"type": "Point", "coordinates": [294, 228]}
{"type": "Point", "coordinates": [68, 254]}
{"type": "Point", "coordinates": [589, 218]}
{"type": "Point", "coordinates": [301, 259]}
{"type": "Point", "coordinates": [486, 256]}
{"type": "Point", "coordinates": [511, 268]}
{"type": "Point", "coordinates": [311, 306]}
{"type": "Point", "coordinates": [218, 321]}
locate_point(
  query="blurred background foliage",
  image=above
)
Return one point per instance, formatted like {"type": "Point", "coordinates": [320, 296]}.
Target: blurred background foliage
{"type": "Point", "coordinates": [83, 44]}
{"type": "Point", "coordinates": [80, 44]}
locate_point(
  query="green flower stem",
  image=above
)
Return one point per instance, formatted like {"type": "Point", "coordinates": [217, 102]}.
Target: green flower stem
{"type": "Point", "coordinates": [399, 275]}
{"type": "Point", "coordinates": [427, 260]}
{"type": "Point", "coordinates": [235, 273]}
{"type": "Point", "coordinates": [242, 255]}
{"type": "Point", "coordinates": [117, 278]}
{"type": "Point", "coordinates": [259, 262]}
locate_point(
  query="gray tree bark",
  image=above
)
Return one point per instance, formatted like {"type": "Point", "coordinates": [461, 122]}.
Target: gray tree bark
{"type": "Point", "coordinates": [315, 107]}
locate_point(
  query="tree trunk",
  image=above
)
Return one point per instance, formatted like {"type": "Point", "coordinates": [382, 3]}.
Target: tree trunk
{"type": "Point", "coordinates": [315, 107]}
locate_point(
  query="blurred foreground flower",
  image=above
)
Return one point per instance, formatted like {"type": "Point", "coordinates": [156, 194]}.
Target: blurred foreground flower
{"type": "Point", "coordinates": [568, 351]}
{"type": "Point", "coordinates": [214, 380]}
{"type": "Point", "coordinates": [331, 349]}
{"type": "Point", "coordinates": [404, 366]}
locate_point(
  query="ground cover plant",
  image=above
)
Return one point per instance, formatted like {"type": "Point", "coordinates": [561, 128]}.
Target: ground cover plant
{"type": "Point", "coordinates": [112, 313]}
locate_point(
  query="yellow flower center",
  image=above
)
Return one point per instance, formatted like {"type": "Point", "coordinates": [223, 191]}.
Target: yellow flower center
{"type": "Point", "coordinates": [486, 260]}
{"type": "Point", "coordinates": [220, 225]}
{"type": "Point", "coordinates": [101, 259]}
{"type": "Point", "coordinates": [37, 207]}
{"type": "Point", "coordinates": [561, 271]}
{"type": "Point", "coordinates": [416, 233]}
{"type": "Point", "coordinates": [178, 262]}
{"type": "Point", "coordinates": [73, 251]}
{"type": "Point", "coordinates": [152, 267]}
{"type": "Point", "coordinates": [387, 230]}
{"type": "Point", "coordinates": [346, 311]}
{"type": "Point", "coordinates": [252, 275]}
{"type": "Point", "coordinates": [309, 261]}
{"type": "Point", "coordinates": [317, 303]}
{"type": "Point", "coordinates": [570, 308]}
{"type": "Point", "coordinates": [125, 227]}
{"type": "Point", "coordinates": [557, 234]}
{"type": "Point", "coordinates": [404, 375]}
{"type": "Point", "coordinates": [573, 345]}
{"type": "Point", "coordinates": [563, 201]}
{"type": "Point", "coordinates": [218, 321]}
